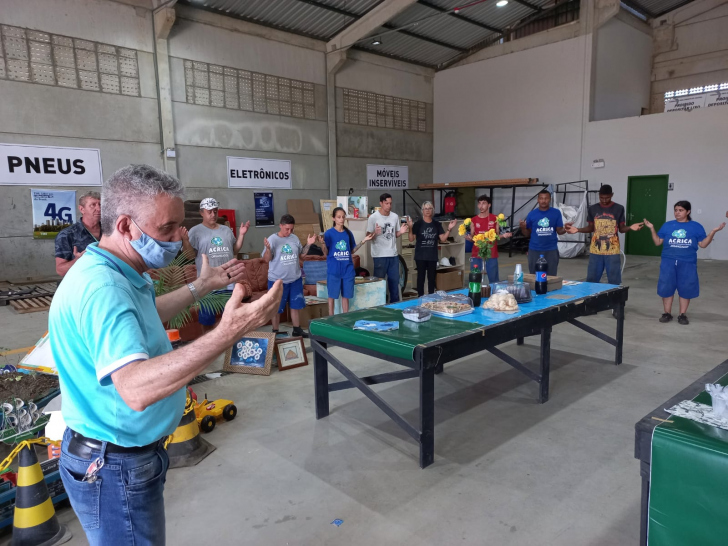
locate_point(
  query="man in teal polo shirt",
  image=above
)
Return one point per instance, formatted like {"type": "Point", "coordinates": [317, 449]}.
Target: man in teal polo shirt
{"type": "Point", "coordinates": [123, 387]}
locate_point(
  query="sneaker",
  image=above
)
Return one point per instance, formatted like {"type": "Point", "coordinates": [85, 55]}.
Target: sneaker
{"type": "Point", "coordinates": [666, 317]}
{"type": "Point", "coordinates": [298, 332]}
{"type": "Point", "coordinates": [683, 319]}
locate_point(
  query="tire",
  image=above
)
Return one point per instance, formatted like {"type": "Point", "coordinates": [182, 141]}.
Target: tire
{"type": "Point", "coordinates": [207, 424]}
{"type": "Point", "coordinates": [229, 412]}
{"type": "Point", "coordinates": [403, 272]}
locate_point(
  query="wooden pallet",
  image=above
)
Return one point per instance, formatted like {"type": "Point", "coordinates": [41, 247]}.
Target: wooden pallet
{"type": "Point", "coordinates": [31, 305]}
{"type": "Point", "coordinates": [39, 290]}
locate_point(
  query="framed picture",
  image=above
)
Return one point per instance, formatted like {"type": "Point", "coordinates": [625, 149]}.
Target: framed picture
{"type": "Point", "coordinates": [291, 353]}
{"type": "Point", "coordinates": [251, 354]}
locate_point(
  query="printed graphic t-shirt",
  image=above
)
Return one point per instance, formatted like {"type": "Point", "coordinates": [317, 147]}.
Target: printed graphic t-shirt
{"type": "Point", "coordinates": [217, 243]}
{"type": "Point", "coordinates": [339, 245]}
{"type": "Point", "coordinates": [428, 237]}
{"type": "Point", "coordinates": [680, 240]}
{"type": "Point", "coordinates": [484, 225]}
{"type": "Point", "coordinates": [385, 244]}
{"type": "Point", "coordinates": [606, 220]}
{"type": "Point", "coordinates": [543, 226]}
{"type": "Point", "coordinates": [284, 258]}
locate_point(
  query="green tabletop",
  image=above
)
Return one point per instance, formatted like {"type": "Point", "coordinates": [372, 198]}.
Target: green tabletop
{"type": "Point", "coordinates": [688, 482]}
{"type": "Point", "coordinates": [397, 343]}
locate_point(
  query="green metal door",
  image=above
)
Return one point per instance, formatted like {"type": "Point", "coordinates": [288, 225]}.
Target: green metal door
{"type": "Point", "coordinates": [646, 198]}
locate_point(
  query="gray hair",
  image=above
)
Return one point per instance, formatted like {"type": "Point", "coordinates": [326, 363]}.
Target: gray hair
{"type": "Point", "coordinates": [130, 188]}
{"type": "Point", "coordinates": [91, 194]}
{"type": "Point", "coordinates": [425, 204]}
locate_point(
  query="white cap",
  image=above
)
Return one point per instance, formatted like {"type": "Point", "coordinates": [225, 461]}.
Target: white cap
{"type": "Point", "coordinates": [209, 203]}
{"type": "Point", "coordinates": [445, 262]}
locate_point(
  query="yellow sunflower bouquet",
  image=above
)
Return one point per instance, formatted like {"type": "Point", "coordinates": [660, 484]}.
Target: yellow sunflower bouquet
{"type": "Point", "coordinates": [464, 227]}
{"type": "Point", "coordinates": [485, 243]}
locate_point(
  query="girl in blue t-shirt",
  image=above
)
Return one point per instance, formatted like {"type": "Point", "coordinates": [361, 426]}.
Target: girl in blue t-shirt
{"type": "Point", "coordinates": [339, 248]}
{"type": "Point", "coordinates": [679, 266]}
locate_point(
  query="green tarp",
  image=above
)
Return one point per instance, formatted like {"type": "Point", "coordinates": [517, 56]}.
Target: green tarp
{"type": "Point", "coordinates": [397, 343]}
{"type": "Point", "coordinates": [689, 483]}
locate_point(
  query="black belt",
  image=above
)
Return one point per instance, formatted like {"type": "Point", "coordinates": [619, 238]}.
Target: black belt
{"type": "Point", "coordinates": [81, 447]}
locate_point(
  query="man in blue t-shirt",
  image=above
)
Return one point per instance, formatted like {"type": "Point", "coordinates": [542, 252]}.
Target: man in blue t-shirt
{"type": "Point", "coordinates": [542, 225]}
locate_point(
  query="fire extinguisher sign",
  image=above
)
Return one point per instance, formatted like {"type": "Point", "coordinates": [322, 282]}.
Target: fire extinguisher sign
{"type": "Point", "coordinates": [387, 177]}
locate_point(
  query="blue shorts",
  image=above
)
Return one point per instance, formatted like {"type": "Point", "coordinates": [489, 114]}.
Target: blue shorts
{"type": "Point", "coordinates": [680, 276]}
{"type": "Point", "coordinates": [292, 295]}
{"type": "Point", "coordinates": [340, 286]}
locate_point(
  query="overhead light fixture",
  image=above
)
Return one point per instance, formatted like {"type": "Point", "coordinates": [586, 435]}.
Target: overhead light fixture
{"type": "Point", "coordinates": [501, 3]}
{"type": "Point", "coordinates": [377, 41]}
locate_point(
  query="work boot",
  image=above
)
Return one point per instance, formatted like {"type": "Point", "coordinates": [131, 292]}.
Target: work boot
{"type": "Point", "coordinates": [298, 332]}
{"type": "Point", "coordinates": [666, 317]}
{"type": "Point", "coordinates": [683, 319]}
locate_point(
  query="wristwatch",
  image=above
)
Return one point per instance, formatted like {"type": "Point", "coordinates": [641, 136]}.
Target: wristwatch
{"type": "Point", "coordinates": [195, 293]}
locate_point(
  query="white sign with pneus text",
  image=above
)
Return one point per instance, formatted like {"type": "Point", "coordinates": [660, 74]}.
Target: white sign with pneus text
{"type": "Point", "coordinates": [25, 165]}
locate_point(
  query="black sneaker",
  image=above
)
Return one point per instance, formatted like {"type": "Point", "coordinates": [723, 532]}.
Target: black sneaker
{"type": "Point", "coordinates": [666, 317]}
{"type": "Point", "coordinates": [683, 319]}
{"type": "Point", "coordinates": [298, 332]}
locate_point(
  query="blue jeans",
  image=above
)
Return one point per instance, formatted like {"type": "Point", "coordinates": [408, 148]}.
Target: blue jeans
{"type": "Point", "coordinates": [125, 505]}
{"type": "Point", "coordinates": [389, 267]}
{"type": "Point", "coordinates": [491, 269]}
{"type": "Point", "coordinates": [598, 263]}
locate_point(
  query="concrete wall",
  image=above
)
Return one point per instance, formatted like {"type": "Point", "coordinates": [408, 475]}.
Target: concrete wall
{"type": "Point", "coordinates": [622, 66]}
{"type": "Point", "coordinates": [691, 49]}
{"type": "Point", "coordinates": [359, 145]}
{"type": "Point", "coordinates": [206, 135]}
{"type": "Point", "coordinates": [125, 129]}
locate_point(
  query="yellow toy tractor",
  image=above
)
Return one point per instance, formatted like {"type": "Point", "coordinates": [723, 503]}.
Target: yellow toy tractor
{"type": "Point", "coordinates": [208, 412]}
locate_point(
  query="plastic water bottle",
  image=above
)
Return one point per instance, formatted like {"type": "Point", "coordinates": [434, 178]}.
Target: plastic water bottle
{"type": "Point", "coordinates": [475, 283]}
{"type": "Point", "coordinates": [518, 274]}
{"type": "Point", "coordinates": [542, 267]}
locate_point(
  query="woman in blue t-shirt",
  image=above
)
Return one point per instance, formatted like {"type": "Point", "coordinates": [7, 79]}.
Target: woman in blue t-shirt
{"type": "Point", "coordinates": [340, 247]}
{"type": "Point", "coordinates": [679, 266]}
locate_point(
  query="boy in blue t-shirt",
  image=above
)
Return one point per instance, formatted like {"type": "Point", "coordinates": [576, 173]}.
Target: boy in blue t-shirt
{"type": "Point", "coordinates": [679, 266]}
{"type": "Point", "coordinates": [542, 225]}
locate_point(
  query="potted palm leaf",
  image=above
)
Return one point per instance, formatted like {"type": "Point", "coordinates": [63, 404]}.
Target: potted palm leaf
{"type": "Point", "coordinates": [174, 276]}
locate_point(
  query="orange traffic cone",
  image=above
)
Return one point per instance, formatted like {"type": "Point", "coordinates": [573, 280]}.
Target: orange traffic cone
{"type": "Point", "coordinates": [35, 522]}
{"type": "Point", "coordinates": [187, 447]}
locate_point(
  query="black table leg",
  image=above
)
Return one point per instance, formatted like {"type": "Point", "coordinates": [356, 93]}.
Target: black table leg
{"type": "Point", "coordinates": [427, 417]}
{"type": "Point", "coordinates": [519, 341]}
{"type": "Point", "coordinates": [644, 508]}
{"type": "Point", "coordinates": [543, 394]}
{"type": "Point", "coordinates": [619, 312]}
{"type": "Point", "coordinates": [321, 383]}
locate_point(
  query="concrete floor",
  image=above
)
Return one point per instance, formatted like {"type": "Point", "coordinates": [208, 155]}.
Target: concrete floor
{"type": "Point", "coordinates": [507, 470]}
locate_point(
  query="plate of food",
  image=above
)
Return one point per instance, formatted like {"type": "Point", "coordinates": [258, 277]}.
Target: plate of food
{"type": "Point", "coordinates": [502, 301]}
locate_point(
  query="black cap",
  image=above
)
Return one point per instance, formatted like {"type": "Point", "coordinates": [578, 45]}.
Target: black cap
{"type": "Point", "coordinates": [606, 189]}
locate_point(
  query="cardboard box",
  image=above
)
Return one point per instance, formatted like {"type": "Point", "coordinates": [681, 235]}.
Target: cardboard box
{"type": "Point", "coordinates": [248, 255]}
{"type": "Point", "coordinates": [450, 280]}
{"type": "Point", "coordinates": [552, 283]}
{"type": "Point", "coordinates": [303, 212]}
{"type": "Point", "coordinates": [308, 313]}
{"type": "Point", "coordinates": [302, 231]}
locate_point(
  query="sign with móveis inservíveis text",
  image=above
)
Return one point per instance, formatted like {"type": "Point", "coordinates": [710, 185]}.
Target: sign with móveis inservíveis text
{"type": "Point", "coordinates": [387, 177]}
{"type": "Point", "coordinates": [250, 172]}
{"type": "Point", "coordinates": [24, 164]}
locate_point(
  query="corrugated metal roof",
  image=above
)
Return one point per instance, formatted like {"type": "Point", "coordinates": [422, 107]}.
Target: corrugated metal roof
{"type": "Point", "coordinates": [410, 49]}
{"type": "Point", "coordinates": [443, 28]}
{"type": "Point", "coordinates": [324, 19]}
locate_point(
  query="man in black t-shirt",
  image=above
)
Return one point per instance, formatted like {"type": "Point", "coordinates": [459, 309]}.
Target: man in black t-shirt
{"type": "Point", "coordinates": [606, 220]}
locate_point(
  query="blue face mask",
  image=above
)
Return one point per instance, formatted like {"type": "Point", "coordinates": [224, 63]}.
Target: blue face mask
{"type": "Point", "coordinates": [156, 254]}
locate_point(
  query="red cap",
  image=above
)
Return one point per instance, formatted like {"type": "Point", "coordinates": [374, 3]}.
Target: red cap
{"type": "Point", "coordinates": [173, 335]}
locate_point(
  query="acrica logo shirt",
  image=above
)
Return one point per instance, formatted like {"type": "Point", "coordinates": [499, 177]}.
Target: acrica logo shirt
{"type": "Point", "coordinates": [680, 240]}
{"type": "Point", "coordinates": [543, 224]}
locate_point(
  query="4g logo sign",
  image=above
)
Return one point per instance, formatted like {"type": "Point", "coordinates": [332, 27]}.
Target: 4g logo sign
{"type": "Point", "coordinates": [63, 214]}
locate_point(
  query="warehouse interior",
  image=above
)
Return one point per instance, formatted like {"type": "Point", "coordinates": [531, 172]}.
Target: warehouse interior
{"type": "Point", "coordinates": [456, 91]}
